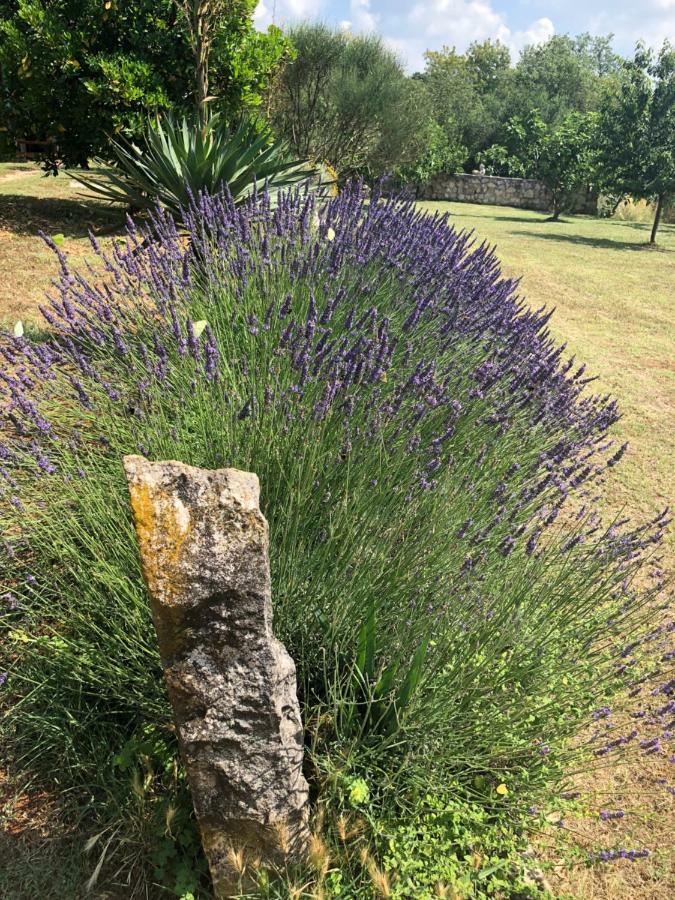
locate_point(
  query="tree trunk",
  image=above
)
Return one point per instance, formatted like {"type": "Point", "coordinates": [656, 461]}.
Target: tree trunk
{"type": "Point", "coordinates": [202, 66]}
{"type": "Point", "coordinates": [657, 218]}
{"type": "Point", "coordinates": [201, 18]}
{"type": "Point", "coordinates": [618, 204]}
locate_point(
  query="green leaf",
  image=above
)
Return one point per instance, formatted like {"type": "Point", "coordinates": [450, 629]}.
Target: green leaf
{"type": "Point", "coordinates": [365, 657]}
{"type": "Point", "coordinates": [409, 686]}
{"type": "Point", "coordinates": [391, 719]}
{"type": "Point", "coordinates": [181, 159]}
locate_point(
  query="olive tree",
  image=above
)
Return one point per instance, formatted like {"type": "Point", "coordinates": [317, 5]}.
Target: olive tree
{"type": "Point", "coordinates": [345, 99]}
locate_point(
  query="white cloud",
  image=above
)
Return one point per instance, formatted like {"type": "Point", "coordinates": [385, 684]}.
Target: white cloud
{"type": "Point", "coordinates": [538, 33]}
{"type": "Point", "coordinates": [281, 11]}
{"type": "Point", "coordinates": [412, 26]}
{"type": "Point", "coordinates": [361, 16]}
{"type": "Point", "coordinates": [653, 22]}
{"type": "Point", "coordinates": [262, 16]}
{"type": "Point", "coordinates": [457, 23]}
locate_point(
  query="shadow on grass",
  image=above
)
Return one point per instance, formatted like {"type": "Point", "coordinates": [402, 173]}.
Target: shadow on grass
{"type": "Point", "coordinates": [456, 213]}
{"type": "Point", "coordinates": [600, 243]}
{"type": "Point", "coordinates": [73, 218]}
{"type": "Point", "coordinates": [35, 866]}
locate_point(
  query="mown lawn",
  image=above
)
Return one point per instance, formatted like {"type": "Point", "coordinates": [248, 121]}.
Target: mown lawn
{"type": "Point", "coordinates": [31, 203]}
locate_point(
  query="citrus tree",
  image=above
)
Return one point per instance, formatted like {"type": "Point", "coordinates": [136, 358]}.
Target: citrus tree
{"type": "Point", "coordinates": [79, 71]}
{"type": "Point", "coordinates": [564, 160]}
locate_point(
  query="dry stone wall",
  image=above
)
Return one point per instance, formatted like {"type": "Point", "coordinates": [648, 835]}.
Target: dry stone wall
{"type": "Point", "coordinates": [524, 193]}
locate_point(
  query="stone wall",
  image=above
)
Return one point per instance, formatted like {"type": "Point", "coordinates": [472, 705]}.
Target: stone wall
{"type": "Point", "coordinates": [525, 193]}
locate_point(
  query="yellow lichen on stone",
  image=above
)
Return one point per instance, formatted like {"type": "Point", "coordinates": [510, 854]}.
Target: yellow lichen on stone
{"type": "Point", "coordinates": [163, 525]}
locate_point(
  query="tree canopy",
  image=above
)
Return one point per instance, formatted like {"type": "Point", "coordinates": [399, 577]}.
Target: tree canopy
{"type": "Point", "coordinates": [637, 129]}
{"type": "Point", "coordinates": [475, 95]}
{"type": "Point", "coordinates": [77, 71]}
{"type": "Point", "coordinates": [346, 100]}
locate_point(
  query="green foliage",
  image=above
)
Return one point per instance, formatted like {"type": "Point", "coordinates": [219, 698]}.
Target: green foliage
{"type": "Point", "coordinates": [346, 100]}
{"type": "Point", "coordinates": [445, 844]}
{"type": "Point", "coordinates": [498, 161]}
{"type": "Point", "coordinates": [469, 94]}
{"type": "Point", "coordinates": [562, 155]}
{"type": "Point", "coordinates": [371, 704]}
{"type": "Point", "coordinates": [436, 158]}
{"type": "Point", "coordinates": [473, 95]}
{"type": "Point", "coordinates": [182, 159]}
{"type": "Point", "coordinates": [77, 71]}
{"type": "Point", "coordinates": [637, 129]}
{"type": "Point", "coordinates": [564, 160]}
{"type": "Point", "coordinates": [563, 75]}
{"type": "Point", "coordinates": [365, 558]}
{"type": "Point", "coordinates": [161, 810]}
{"type": "Point", "coordinates": [458, 845]}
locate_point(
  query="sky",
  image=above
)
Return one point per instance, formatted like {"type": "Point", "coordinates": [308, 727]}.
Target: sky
{"type": "Point", "coordinates": [413, 27]}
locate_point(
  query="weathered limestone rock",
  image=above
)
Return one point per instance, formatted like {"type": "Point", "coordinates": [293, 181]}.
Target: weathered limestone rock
{"type": "Point", "coordinates": [232, 685]}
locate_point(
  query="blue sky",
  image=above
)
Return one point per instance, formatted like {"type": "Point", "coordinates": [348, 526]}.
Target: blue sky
{"type": "Point", "coordinates": [412, 27]}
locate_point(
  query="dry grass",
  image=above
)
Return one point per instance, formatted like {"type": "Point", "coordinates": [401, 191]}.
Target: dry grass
{"type": "Point", "coordinates": [31, 203]}
{"type": "Point", "coordinates": [650, 812]}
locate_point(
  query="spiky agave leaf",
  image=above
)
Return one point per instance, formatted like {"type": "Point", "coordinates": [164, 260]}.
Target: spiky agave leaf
{"type": "Point", "coordinates": [182, 159]}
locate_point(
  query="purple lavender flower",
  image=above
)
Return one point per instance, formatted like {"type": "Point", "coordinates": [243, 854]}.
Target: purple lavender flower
{"type": "Point", "coordinates": [449, 376]}
{"type": "Point", "coordinates": [611, 855]}
{"type": "Point", "coordinates": [617, 456]}
{"type": "Point", "coordinates": [11, 602]}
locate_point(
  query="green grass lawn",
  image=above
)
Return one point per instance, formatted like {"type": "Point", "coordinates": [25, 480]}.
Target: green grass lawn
{"type": "Point", "coordinates": [614, 301]}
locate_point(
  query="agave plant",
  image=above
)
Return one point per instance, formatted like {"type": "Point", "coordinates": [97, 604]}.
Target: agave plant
{"type": "Point", "coordinates": [182, 158]}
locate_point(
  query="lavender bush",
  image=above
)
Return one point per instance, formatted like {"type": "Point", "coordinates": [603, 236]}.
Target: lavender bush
{"type": "Point", "coordinates": [430, 466]}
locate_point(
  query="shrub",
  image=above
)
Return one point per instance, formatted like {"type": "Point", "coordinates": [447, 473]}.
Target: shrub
{"type": "Point", "coordinates": [497, 161]}
{"type": "Point", "coordinates": [440, 157]}
{"type": "Point", "coordinates": [346, 99]}
{"type": "Point", "coordinates": [418, 436]}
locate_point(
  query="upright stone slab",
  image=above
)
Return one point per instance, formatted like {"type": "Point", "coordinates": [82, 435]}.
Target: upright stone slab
{"type": "Point", "coordinates": [232, 685]}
